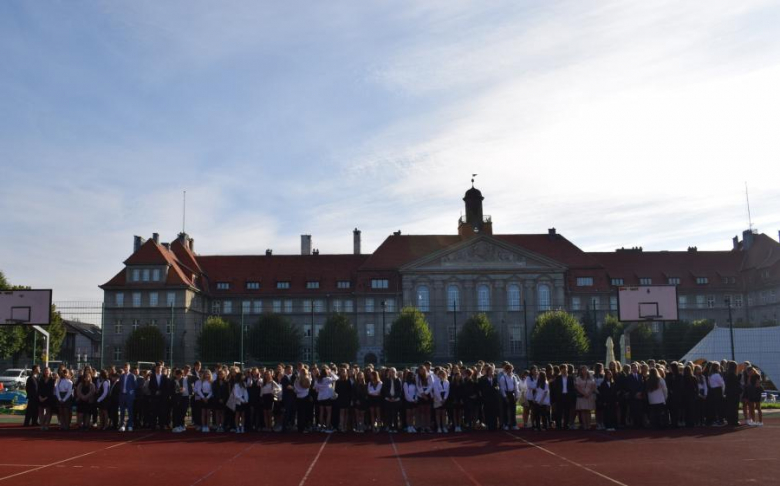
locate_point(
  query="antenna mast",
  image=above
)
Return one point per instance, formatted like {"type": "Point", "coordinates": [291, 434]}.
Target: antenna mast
{"type": "Point", "coordinates": [750, 218]}
{"type": "Point", "coordinates": [184, 211]}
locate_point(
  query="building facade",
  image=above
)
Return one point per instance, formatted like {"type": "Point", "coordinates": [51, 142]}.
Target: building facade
{"type": "Point", "coordinates": [509, 277]}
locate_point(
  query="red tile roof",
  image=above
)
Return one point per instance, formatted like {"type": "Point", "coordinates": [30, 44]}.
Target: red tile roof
{"type": "Point", "coordinates": [151, 253]}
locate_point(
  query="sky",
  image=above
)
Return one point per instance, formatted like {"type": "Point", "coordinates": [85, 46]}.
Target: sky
{"type": "Point", "coordinates": [618, 123]}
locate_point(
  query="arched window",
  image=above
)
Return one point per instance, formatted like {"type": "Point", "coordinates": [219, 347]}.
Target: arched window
{"type": "Point", "coordinates": [453, 298]}
{"type": "Point", "coordinates": [483, 298]}
{"type": "Point", "coordinates": [423, 298]}
{"type": "Point", "coordinates": [544, 297]}
{"type": "Point", "coordinates": [513, 297]}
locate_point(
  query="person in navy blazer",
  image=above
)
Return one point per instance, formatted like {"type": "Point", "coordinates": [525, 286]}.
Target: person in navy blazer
{"type": "Point", "coordinates": [158, 386]}
{"type": "Point", "coordinates": [127, 388]}
{"type": "Point", "coordinates": [635, 387]}
{"type": "Point", "coordinates": [392, 392]}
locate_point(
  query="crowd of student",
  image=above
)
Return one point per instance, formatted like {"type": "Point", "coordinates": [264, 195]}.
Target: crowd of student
{"type": "Point", "coordinates": [448, 398]}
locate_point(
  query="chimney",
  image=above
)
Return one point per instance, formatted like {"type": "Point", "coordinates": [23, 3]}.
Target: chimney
{"type": "Point", "coordinates": [735, 242]}
{"type": "Point", "coordinates": [747, 239]}
{"type": "Point", "coordinates": [137, 242]}
{"type": "Point", "coordinates": [269, 252]}
{"type": "Point", "coordinates": [167, 246]}
{"type": "Point", "coordinates": [356, 241]}
{"type": "Point", "coordinates": [551, 233]}
{"type": "Point", "coordinates": [315, 252]}
{"type": "Point", "coordinates": [305, 244]}
{"type": "Point", "coordinates": [692, 249]}
{"type": "Point", "coordinates": [156, 238]}
{"type": "Point", "coordinates": [192, 245]}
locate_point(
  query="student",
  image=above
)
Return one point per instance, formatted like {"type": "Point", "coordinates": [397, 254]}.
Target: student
{"type": "Point", "coordinates": [732, 394]}
{"type": "Point", "coordinates": [441, 393]}
{"type": "Point", "coordinates": [241, 399]}
{"type": "Point", "coordinates": [410, 400]}
{"type": "Point", "coordinates": [64, 394]}
{"type": "Point", "coordinates": [689, 396]}
{"type": "Point", "coordinates": [343, 389]}
{"type": "Point", "coordinates": [541, 402]}
{"type": "Point", "coordinates": [31, 388]}
{"type": "Point", "coordinates": [204, 393]}
{"type": "Point", "coordinates": [507, 383]}
{"type": "Point", "coordinates": [103, 388]}
{"type": "Point", "coordinates": [657, 395]}
{"type": "Point", "coordinates": [392, 393]}
{"type": "Point", "coordinates": [608, 399]}
{"type": "Point", "coordinates": [375, 401]}
{"type": "Point", "coordinates": [221, 390]}
{"type": "Point", "coordinates": [471, 403]}
{"type": "Point", "coordinates": [46, 399]}
{"type": "Point", "coordinates": [360, 401]}
{"type": "Point", "coordinates": [491, 396]}
{"type": "Point", "coordinates": [586, 396]}
{"type": "Point", "coordinates": [269, 394]}
{"type": "Point", "coordinates": [457, 399]}
{"type": "Point", "coordinates": [754, 390]}
{"type": "Point", "coordinates": [324, 389]}
{"type": "Point", "coordinates": [424, 385]}
{"type": "Point", "coordinates": [303, 399]}
{"type": "Point", "coordinates": [530, 392]}
{"type": "Point", "coordinates": [85, 400]}
{"type": "Point", "coordinates": [716, 388]}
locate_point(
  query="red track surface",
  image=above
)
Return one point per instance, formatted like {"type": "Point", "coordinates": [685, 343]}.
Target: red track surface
{"type": "Point", "coordinates": [713, 456]}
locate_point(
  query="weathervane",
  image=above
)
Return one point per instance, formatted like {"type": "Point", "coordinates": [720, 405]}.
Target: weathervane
{"type": "Point", "coordinates": [472, 180]}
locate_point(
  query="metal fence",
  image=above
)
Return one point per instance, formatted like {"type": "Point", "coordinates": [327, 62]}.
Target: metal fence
{"type": "Point", "coordinates": [179, 335]}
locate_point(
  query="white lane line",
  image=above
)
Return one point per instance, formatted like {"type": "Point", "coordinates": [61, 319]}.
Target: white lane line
{"type": "Point", "coordinates": [465, 473]}
{"type": "Point", "coordinates": [316, 458]}
{"type": "Point", "coordinates": [222, 464]}
{"type": "Point", "coordinates": [400, 463]}
{"type": "Point", "coordinates": [75, 457]}
{"type": "Point", "coordinates": [574, 463]}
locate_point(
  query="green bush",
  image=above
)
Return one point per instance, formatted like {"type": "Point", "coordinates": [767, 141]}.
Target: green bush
{"type": "Point", "coordinates": [557, 338]}
{"type": "Point", "coordinates": [274, 339]}
{"type": "Point", "coordinates": [410, 339]}
{"type": "Point", "coordinates": [338, 340]}
{"type": "Point", "coordinates": [218, 341]}
{"type": "Point", "coordinates": [478, 339]}
{"type": "Point", "coordinates": [146, 343]}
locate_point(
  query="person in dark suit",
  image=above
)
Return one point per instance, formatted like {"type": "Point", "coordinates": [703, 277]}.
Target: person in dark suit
{"type": "Point", "coordinates": [158, 386]}
{"type": "Point", "coordinates": [31, 387]}
{"type": "Point", "coordinates": [608, 398]}
{"type": "Point", "coordinates": [491, 398]}
{"type": "Point", "coordinates": [635, 389]}
{"type": "Point", "coordinates": [288, 397]}
{"type": "Point", "coordinates": [563, 395]}
{"type": "Point", "coordinates": [392, 392]}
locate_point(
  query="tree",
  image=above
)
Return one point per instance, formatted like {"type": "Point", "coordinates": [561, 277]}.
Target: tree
{"type": "Point", "coordinates": [643, 343]}
{"type": "Point", "coordinates": [273, 339]}
{"type": "Point", "coordinates": [478, 340]}
{"type": "Point", "coordinates": [218, 341]}
{"type": "Point", "coordinates": [146, 343]}
{"type": "Point", "coordinates": [338, 341]}
{"type": "Point", "coordinates": [410, 339]}
{"type": "Point", "coordinates": [557, 338]}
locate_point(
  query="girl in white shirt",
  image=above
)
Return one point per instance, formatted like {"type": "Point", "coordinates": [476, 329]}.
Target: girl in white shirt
{"type": "Point", "coordinates": [542, 401]}
{"type": "Point", "coordinates": [241, 397]}
{"type": "Point", "coordinates": [205, 395]}
{"type": "Point", "coordinates": [715, 393]}
{"type": "Point", "coordinates": [324, 388]}
{"type": "Point", "coordinates": [424, 386]}
{"type": "Point", "coordinates": [656, 397]}
{"type": "Point", "coordinates": [64, 392]}
{"type": "Point", "coordinates": [375, 401]}
{"type": "Point", "coordinates": [441, 392]}
{"type": "Point", "coordinates": [269, 394]}
{"type": "Point", "coordinates": [103, 387]}
{"type": "Point", "coordinates": [530, 394]}
{"type": "Point", "coordinates": [410, 400]}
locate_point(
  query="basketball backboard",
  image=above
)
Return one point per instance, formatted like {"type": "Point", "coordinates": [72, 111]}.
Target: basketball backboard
{"type": "Point", "coordinates": [26, 307]}
{"type": "Point", "coordinates": [647, 303]}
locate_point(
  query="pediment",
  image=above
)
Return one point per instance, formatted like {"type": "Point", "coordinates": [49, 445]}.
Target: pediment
{"type": "Point", "coordinates": [484, 253]}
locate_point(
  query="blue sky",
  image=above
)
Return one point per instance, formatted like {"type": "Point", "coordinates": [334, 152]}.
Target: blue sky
{"type": "Point", "coordinates": [619, 123]}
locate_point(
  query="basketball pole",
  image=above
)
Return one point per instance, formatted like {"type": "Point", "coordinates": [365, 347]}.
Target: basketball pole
{"type": "Point", "coordinates": [45, 335]}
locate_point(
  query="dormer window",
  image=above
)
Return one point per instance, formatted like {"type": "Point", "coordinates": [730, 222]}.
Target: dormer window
{"type": "Point", "coordinates": [584, 281]}
{"type": "Point", "coordinates": [253, 285]}
{"type": "Point", "coordinates": [283, 284]}
{"type": "Point", "coordinates": [702, 280]}
{"type": "Point", "coordinates": [673, 281]}
{"type": "Point", "coordinates": [136, 275]}
{"type": "Point", "coordinates": [223, 286]}
{"type": "Point", "coordinates": [616, 282]}
{"type": "Point", "coordinates": [343, 284]}
{"type": "Point", "coordinates": [312, 284]}
{"type": "Point", "coordinates": [379, 283]}
{"type": "Point", "coordinates": [156, 274]}
{"type": "Point", "coordinates": [645, 281]}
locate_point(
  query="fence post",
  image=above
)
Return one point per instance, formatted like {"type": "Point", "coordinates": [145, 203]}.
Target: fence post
{"type": "Point", "coordinates": [173, 333]}
{"type": "Point", "coordinates": [102, 334]}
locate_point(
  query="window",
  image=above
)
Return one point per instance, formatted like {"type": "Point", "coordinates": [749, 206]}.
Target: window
{"type": "Point", "coordinates": [349, 306]}
{"type": "Point", "coordinates": [118, 326]}
{"type": "Point", "coordinates": [645, 281]}
{"type": "Point", "coordinates": [146, 274]}
{"type": "Point", "coordinates": [319, 306]}
{"type": "Point", "coordinates": [710, 301]}
{"type": "Point", "coordinates": [246, 307]}
{"type": "Point", "coordinates": [700, 301]}
{"type": "Point", "coordinates": [343, 284]}
{"type": "Point", "coordinates": [170, 299]}
{"type": "Point", "coordinates": [312, 284]}
{"type": "Point", "coordinates": [307, 306]}
{"type": "Point", "coordinates": [379, 283]}
{"type": "Point", "coordinates": [277, 306]}
{"type": "Point", "coordinates": [306, 353]}
{"type": "Point", "coordinates": [544, 297]}
{"type": "Point", "coordinates": [515, 340]}
{"type": "Point", "coordinates": [575, 304]}
{"type": "Point", "coordinates": [223, 286]}
{"type": "Point", "coordinates": [216, 307]}
{"type": "Point", "coordinates": [369, 305]}
{"type": "Point", "coordinates": [613, 303]}
{"type": "Point", "coordinates": [369, 330]}
{"type": "Point", "coordinates": [584, 281]}
{"type": "Point", "coordinates": [702, 281]}
{"type": "Point", "coordinates": [284, 284]}
{"type": "Point", "coordinates": [119, 299]}
{"type": "Point", "coordinates": [136, 299]}
{"type": "Point", "coordinates": [227, 307]}
{"type": "Point", "coordinates": [257, 306]}
{"type": "Point", "coordinates": [117, 353]}
{"type": "Point", "coordinates": [136, 324]}
{"type": "Point", "coordinates": [513, 297]}
{"type": "Point", "coordinates": [682, 301]}
{"type": "Point", "coordinates": [673, 281]}
{"type": "Point", "coordinates": [453, 297]}
{"type": "Point", "coordinates": [336, 305]}
{"type": "Point", "coordinates": [423, 298]}
{"type": "Point", "coordinates": [390, 305]}
{"type": "Point", "coordinates": [156, 274]}
{"type": "Point", "coordinates": [253, 285]}
{"type": "Point", "coordinates": [617, 282]}
{"type": "Point", "coordinates": [136, 275]}
{"type": "Point", "coordinates": [738, 301]}
{"type": "Point", "coordinates": [153, 299]}
{"type": "Point", "coordinates": [288, 306]}
{"type": "Point", "coordinates": [483, 298]}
